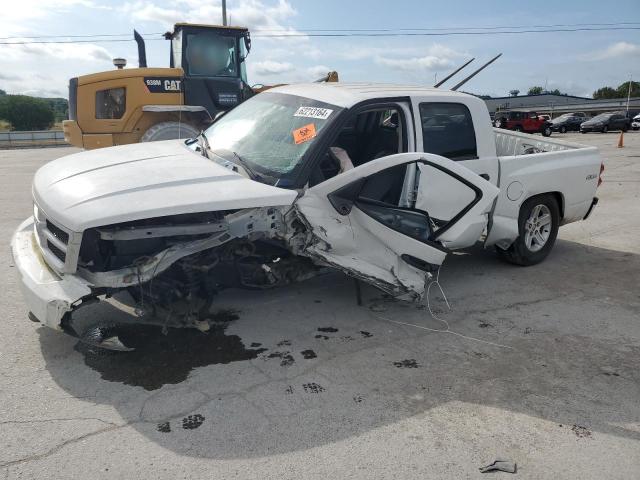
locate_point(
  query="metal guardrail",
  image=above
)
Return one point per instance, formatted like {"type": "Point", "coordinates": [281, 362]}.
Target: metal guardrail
{"type": "Point", "coordinates": [38, 138]}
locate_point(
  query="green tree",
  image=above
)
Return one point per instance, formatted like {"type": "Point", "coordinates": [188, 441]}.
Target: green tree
{"type": "Point", "coordinates": [2, 93]}
{"type": "Point", "coordinates": [514, 92]}
{"type": "Point", "coordinates": [605, 92]}
{"type": "Point", "coordinates": [27, 113]}
{"type": "Point", "coordinates": [555, 92]}
{"type": "Point", "coordinates": [623, 90]}
{"type": "Point", "coordinates": [535, 91]}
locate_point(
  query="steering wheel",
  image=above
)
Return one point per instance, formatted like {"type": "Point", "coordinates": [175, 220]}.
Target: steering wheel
{"type": "Point", "coordinates": [330, 164]}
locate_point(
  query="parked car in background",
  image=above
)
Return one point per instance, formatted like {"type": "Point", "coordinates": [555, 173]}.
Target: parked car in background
{"type": "Point", "coordinates": [568, 122]}
{"type": "Point", "coordinates": [635, 123]}
{"type": "Point", "coordinates": [605, 122]}
{"type": "Point", "coordinates": [528, 122]}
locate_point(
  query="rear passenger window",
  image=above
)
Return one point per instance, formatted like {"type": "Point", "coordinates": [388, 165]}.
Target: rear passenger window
{"type": "Point", "coordinates": [447, 130]}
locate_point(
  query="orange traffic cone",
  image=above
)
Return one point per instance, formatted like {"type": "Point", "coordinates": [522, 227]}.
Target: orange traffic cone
{"type": "Point", "coordinates": [621, 140]}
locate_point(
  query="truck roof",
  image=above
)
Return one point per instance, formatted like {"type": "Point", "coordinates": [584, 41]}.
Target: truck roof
{"type": "Point", "coordinates": [348, 94]}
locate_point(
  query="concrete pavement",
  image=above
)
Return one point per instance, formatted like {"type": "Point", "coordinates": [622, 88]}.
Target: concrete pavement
{"type": "Point", "coordinates": [540, 366]}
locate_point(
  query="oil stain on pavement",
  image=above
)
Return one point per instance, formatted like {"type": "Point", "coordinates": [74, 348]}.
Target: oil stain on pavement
{"type": "Point", "coordinates": [308, 354]}
{"type": "Point", "coordinates": [166, 359]}
{"type": "Point", "coordinates": [409, 363]}
{"type": "Point", "coordinates": [190, 422]}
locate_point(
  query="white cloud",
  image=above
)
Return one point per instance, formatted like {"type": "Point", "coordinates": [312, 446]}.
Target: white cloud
{"type": "Point", "coordinates": [435, 57]}
{"type": "Point", "coordinates": [60, 51]}
{"type": "Point", "coordinates": [619, 49]}
{"type": "Point", "coordinates": [270, 67]}
{"type": "Point", "coordinates": [255, 14]}
{"type": "Point", "coordinates": [428, 62]}
{"type": "Point", "coordinates": [318, 71]}
{"type": "Point", "coordinates": [9, 78]}
{"type": "Point", "coordinates": [360, 52]}
{"type": "Point", "coordinates": [16, 17]}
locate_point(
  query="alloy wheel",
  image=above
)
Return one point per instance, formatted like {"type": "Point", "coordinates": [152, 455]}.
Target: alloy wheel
{"type": "Point", "coordinates": [537, 228]}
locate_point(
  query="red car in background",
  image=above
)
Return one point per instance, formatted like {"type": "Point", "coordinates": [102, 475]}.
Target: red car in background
{"type": "Point", "coordinates": [528, 122]}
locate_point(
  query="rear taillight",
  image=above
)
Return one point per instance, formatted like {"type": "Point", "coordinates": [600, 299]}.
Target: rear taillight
{"type": "Point", "coordinates": [600, 175]}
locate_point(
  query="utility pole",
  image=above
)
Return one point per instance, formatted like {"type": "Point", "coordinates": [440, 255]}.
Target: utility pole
{"type": "Point", "coordinates": [629, 93]}
{"type": "Point", "coordinates": [224, 12]}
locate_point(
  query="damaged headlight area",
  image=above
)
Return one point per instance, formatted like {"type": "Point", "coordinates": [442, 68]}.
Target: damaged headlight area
{"type": "Point", "coordinates": [173, 267]}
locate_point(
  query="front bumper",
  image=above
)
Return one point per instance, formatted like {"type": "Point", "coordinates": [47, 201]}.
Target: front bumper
{"type": "Point", "coordinates": [48, 295]}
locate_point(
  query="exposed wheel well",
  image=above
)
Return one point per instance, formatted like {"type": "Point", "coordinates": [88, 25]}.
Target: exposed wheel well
{"type": "Point", "coordinates": [557, 195]}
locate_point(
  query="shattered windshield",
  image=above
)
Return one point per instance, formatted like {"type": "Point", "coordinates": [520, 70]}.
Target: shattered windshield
{"type": "Point", "coordinates": [271, 132]}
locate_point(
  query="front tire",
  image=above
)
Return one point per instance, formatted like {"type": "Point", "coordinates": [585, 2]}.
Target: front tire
{"type": "Point", "coordinates": [563, 129]}
{"type": "Point", "coordinates": [605, 129]}
{"type": "Point", "coordinates": [538, 225]}
{"type": "Point", "coordinates": [169, 131]}
{"type": "Point", "coordinates": [546, 132]}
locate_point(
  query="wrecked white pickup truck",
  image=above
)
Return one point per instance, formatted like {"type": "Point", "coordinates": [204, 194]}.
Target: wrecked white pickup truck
{"type": "Point", "coordinates": [378, 181]}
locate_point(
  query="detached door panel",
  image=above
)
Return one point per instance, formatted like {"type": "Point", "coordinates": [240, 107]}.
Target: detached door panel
{"type": "Point", "coordinates": [360, 228]}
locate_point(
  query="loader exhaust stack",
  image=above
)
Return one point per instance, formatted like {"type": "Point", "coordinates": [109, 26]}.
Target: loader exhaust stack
{"type": "Point", "coordinates": [142, 51]}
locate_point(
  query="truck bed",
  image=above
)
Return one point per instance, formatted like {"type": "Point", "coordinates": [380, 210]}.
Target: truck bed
{"type": "Point", "coordinates": [532, 165]}
{"type": "Point", "coordinates": [509, 143]}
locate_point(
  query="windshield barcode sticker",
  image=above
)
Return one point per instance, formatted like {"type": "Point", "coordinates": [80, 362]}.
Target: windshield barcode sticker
{"type": "Point", "coordinates": [313, 112]}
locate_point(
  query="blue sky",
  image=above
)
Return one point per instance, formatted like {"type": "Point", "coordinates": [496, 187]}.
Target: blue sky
{"type": "Point", "coordinates": [574, 62]}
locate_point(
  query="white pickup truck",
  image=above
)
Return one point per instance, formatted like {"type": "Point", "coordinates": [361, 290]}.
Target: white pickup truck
{"type": "Point", "coordinates": [264, 197]}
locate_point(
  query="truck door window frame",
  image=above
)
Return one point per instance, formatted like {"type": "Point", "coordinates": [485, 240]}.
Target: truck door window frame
{"type": "Point", "coordinates": [328, 137]}
{"type": "Point", "coordinates": [468, 120]}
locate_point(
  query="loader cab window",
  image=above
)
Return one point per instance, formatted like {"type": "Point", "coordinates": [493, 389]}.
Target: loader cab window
{"type": "Point", "coordinates": [243, 64]}
{"type": "Point", "coordinates": [447, 130]}
{"type": "Point", "coordinates": [210, 54]}
{"type": "Point", "coordinates": [176, 49]}
{"type": "Point", "coordinates": [367, 135]}
{"type": "Point", "coordinates": [111, 103]}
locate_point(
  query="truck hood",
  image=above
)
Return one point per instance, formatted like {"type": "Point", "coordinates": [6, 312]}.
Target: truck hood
{"type": "Point", "coordinates": [146, 180]}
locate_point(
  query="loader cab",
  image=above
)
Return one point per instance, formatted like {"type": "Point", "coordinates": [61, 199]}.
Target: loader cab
{"type": "Point", "coordinates": [213, 61]}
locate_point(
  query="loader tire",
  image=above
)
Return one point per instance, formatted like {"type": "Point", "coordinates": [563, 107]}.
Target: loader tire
{"type": "Point", "coordinates": [169, 131]}
{"type": "Point", "coordinates": [522, 251]}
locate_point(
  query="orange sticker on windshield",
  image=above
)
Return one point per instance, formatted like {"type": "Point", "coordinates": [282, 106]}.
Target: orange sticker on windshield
{"type": "Point", "coordinates": [304, 134]}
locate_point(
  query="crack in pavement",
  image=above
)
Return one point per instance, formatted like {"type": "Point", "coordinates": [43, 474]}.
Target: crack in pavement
{"type": "Point", "coordinates": [47, 420]}
{"type": "Point", "coordinates": [60, 446]}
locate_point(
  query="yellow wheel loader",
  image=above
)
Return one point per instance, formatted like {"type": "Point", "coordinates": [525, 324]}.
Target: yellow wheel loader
{"type": "Point", "coordinates": [207, 76]}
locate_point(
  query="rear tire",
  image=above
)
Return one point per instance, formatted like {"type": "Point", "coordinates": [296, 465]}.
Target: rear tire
{"type": "Point", "coordinates": [563, 129]}
{"type": "Point", "coordinates": [538, 225]}
{"type": "Point", "coordinates": [517, 128]}
{"type": "Point", "coordinates": [546, 132]}
{"type": "Point", "coordinates": [605, 129]}
{"type": "Point", "coordinates": [169, 131]}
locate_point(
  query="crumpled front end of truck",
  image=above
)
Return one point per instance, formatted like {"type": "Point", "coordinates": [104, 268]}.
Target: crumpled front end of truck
{"type": "Point", "coordinates": [170, 267]}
